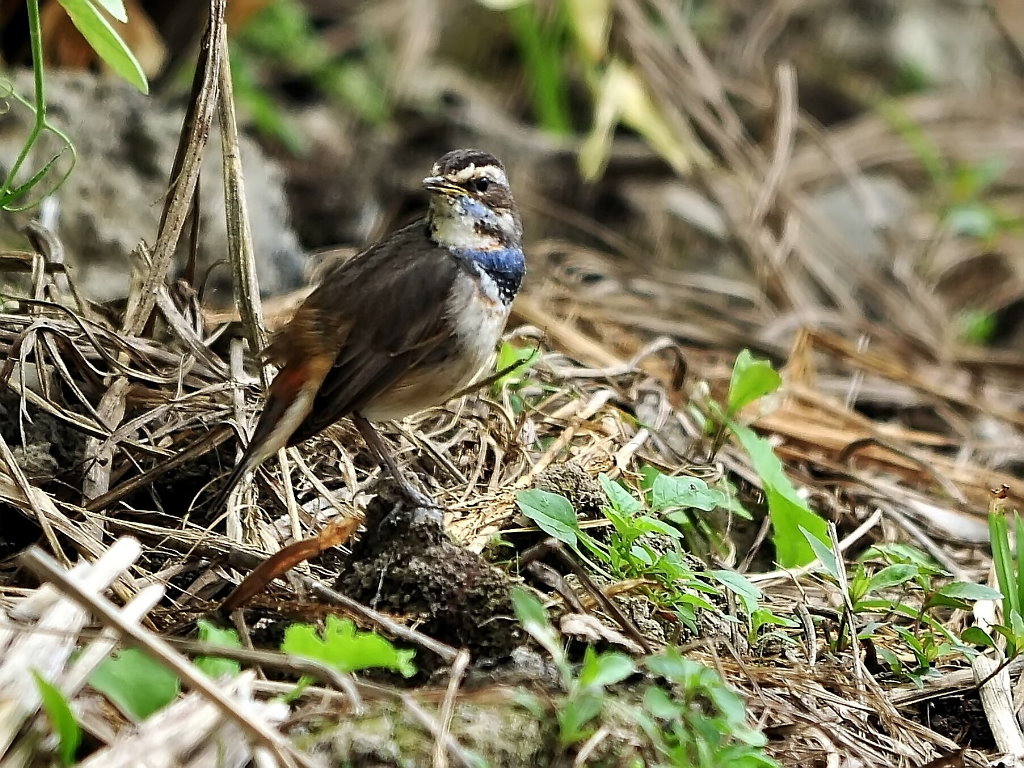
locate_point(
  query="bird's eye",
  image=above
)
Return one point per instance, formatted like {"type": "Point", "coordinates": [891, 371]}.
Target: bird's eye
{"type": "Point", "coordinates": [481, 185]}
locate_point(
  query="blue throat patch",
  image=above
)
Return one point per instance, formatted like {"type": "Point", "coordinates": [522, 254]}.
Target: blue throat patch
{"type": "Point", "coordinates": [506, 266]}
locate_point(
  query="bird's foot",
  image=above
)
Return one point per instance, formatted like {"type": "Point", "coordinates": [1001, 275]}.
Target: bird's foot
{"type": "Point", "coordinates": [423, 506]}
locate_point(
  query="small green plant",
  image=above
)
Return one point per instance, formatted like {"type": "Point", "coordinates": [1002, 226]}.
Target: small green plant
{"type": "Point", "coordinates": [514, 363]}
{"type": "Point", "coordinates": [347, 649]}
{"type": "Point", "coordinates": [88, 16]}
{"type": "Point", "coordinates": [215, 666]}
{"type": "Point", "coordinates": [69, 733]}
{"type": "Point", "coordinates": [555, 515]}
{"type": "Point", "coordinates": [700, 721]}
{"type": "Point", "coordinates": [134, 682]}
{"type": "Point", "coordinates": [898, 601]}
{"type": "Point", "coordinates": [586, 692]}
{"type": "Point", "coordinates": [645, 540]}
{"type": "Point", "coordinates": [751, 380]}
{"type": "Point", "coordinates": [1009, 569]}
{"type": "Point", "coordinates": [961, 188]}
{"type": "Point", "coordinates": [140, 686]}
{"type": "Point", "coordinates": [766, 626]}
{"type": "Point", "coordinates": [694, 720]}
{"type": "Point", "coordinates": [685, 501]}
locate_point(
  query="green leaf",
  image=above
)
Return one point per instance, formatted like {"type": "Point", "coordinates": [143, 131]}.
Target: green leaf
{"type": "Point", "coordinates": [553, 514]}
{"type": "Point", "coordinates": [823, 552]}
{"type": "Point", "coordinates": [523, 358]}
{"type": "Point", "coordinates": [977, 636]}
{"type": "Point", "coordinates": [727, 701]}
{"type": "Point", "coordinates": [105, 41]}
{"type": "Point", "coordinates": [697, 602]}
{"type": "Point", "coordinates": [687, 492]}
{"type": "Point", "coordinates": [890, 658]}
{"type": "Point", "coordinates": [1016, 588]}
{"type": "Point", "coordinates": [858, 583]}
{"type": "Point", "coordinates": [575, 713]}
{"type": "Point", "coordinates": [211, 633]}
{"type": "Point", "coordinates": [942, 601]}
{"type": "Point", "coordinates": [215, 666]}
{"type": "Point", "coordinates": [347, 649]}
{"type": "Point", "coordinates": [1017, 626]}
{"type": "Point", "coordinates": [671, 664]}
{"type": "Point", "coordinates": [788, 512]}
{"type": "Point", "coordinates": [748, 594]}
{"type": "Point", "coordinates": [658, 702]}
{"type": "Point", "coordinates": [115, 8]}
{"type": "Point", "coordinates": [69, 734]}
{"type": "Point", "coordinates": [902, 553]}
{"type": "Point", "coordinates": [136, 684]}
{"type": "Point", "coordinates": [529, 610]}
{"type": "Point", "coordinates": [534, 618]}
{"type": "Point", "coordinates": [732, 501]}
{"type": "Point", "coordinates": [602, 669]}
{"type": "Point", "coordinates": [891, 576]}
{"type": "Point", "coordinates": [966, 590]}
{"type": "Point", "coordinates": [621, 500]}
{"type": "Point", "coordinates": [762, 617]}
{"type": "Point", "coordinates": [751, 379]}
{"type": "Point", "coordinates": [644, 524]}
{"type": "Point", "coordinates": [1003, 562]}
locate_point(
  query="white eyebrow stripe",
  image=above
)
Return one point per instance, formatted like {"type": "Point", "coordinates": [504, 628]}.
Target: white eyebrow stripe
{"type": "Point", "coordinates": [471, 172]}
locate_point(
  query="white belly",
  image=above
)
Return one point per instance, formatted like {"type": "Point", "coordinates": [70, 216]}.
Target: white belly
{"type": "Point", "coordinates": [478, 318]}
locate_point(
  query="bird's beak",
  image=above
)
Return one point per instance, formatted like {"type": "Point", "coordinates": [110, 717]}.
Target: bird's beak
{"type": "Point", "coordinates": [441, 185]}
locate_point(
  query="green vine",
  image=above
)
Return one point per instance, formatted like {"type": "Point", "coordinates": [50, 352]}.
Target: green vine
{"type": "Point", "coordinates": [8, 191]}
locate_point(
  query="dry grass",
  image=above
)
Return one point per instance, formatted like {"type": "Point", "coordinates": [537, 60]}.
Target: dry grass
{"type": "Point", "coordinates": [884, 415]}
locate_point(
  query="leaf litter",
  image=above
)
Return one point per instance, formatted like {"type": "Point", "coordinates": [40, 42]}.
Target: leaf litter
{"type": "Point", "coordinates": [885, 425]}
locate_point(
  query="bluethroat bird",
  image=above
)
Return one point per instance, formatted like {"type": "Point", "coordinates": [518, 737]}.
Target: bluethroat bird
{"type": "Point", "coordinates": [402, 326]}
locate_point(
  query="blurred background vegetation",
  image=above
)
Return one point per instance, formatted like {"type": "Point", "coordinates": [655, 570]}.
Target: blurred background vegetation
{"type": "Point", "coordinates": [836, 185]}
{"type": "Point", "coordinates": [723, 172]}
{"type": "Point", "coordinates": [715, 137]}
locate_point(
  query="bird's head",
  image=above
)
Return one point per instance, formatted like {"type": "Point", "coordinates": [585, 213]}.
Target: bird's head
{"type": "Point", "coordinates": [471, 204]}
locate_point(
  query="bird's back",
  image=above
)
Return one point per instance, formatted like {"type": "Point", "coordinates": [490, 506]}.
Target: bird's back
{"type": "Point", "coordinates": [376, 317]}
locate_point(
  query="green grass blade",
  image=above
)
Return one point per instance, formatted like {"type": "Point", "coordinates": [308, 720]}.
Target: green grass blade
{"type": "Point", "coordinates": [1003, 562]}
{"type": "Point", "coordinates": [106, 42]}
{"type": "Point", "coordinates": [69, 734]}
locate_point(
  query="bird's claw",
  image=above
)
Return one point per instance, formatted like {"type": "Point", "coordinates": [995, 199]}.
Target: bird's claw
{"type": "Point", "coordinates": [423, 506]}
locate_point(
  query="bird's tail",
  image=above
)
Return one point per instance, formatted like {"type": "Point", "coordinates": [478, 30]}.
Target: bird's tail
{"type": "Point", "coordinates": [244, 466]}
{"type": "Point", "coordinates": [289, 402]}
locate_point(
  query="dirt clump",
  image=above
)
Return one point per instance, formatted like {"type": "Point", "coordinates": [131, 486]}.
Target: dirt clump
{"type": "Point", "coordinates": [405, 564]}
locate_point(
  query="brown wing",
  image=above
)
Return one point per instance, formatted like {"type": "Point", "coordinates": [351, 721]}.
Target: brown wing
{"type": "Point", "coordinates": [384, 311]}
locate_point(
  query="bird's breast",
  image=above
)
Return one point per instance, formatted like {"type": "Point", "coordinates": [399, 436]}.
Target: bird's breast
{"type": "Point", "coordinates": [476, 316]}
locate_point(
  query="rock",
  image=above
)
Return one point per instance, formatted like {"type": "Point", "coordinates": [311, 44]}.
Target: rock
{"type": "Point", "coordinates": [405, 564]}
{"type": "Point", "coordinates": [125, 142]}
{"type": "Point", "coordinates": [947, 43]}
{"type": "Point", "coordinates": [860, 218]}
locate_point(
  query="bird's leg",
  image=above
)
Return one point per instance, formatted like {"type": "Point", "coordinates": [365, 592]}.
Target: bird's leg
{"type": "Point", "coordinates": [376, 444]}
